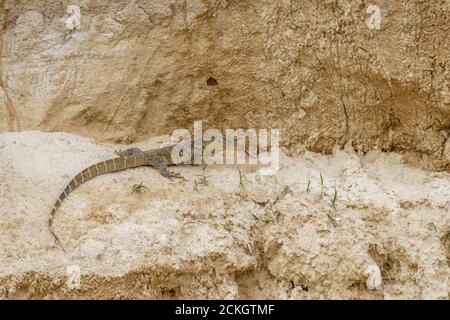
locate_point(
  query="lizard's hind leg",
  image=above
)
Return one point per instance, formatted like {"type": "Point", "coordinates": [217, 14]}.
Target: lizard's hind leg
{"type": "Point", "coordinates": [129, 152]}
{"type": "Point", "coordinates": [160, 163]}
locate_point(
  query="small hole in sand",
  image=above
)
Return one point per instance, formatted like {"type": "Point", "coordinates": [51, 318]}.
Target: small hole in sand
{"type": "Point", "coordinates": [211, 81]}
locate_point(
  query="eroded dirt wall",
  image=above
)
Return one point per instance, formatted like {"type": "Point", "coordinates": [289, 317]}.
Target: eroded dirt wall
{"type": "Point", "coordinates": [312, 68]}
{"type": "Point", "coordinates": [240, 235]}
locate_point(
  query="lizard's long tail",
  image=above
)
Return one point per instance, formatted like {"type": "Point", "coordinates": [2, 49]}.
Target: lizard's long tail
{"type": "Point", "coordinates": [108, 166]}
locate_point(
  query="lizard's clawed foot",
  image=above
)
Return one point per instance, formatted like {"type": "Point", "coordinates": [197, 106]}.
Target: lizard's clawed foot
{"type": "Point", "coordinates": [161, 163]}
{"type": "Point", "coordinates": [170, 175]}
{"type": "Point", "coordinates": [175, 175]}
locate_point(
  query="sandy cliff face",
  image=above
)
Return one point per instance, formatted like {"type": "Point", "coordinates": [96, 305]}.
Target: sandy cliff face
{"type": "Point", "coordinates": [268, 237]}
{"type": "Point", "coordinates": [321, 71]}
{"type": "Point", "coordinates": [313, 68]}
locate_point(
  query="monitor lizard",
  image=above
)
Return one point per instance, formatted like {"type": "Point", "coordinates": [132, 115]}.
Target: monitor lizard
{"type": "Point", "coordinates": [159, 158]}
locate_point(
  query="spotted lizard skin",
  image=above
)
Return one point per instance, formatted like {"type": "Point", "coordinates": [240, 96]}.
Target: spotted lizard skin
{"type": "Point", "coordinates": [131, 158]}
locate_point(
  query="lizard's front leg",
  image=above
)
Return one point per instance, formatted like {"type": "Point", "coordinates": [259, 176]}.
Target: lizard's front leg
{"type": "Point", "coordinates": [161, 164]}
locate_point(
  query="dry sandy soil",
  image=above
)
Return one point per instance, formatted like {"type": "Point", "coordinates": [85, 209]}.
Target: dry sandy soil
{"type": "Point", "coordinates": [266, 237]}
{"type": "Point", "coordinates": [367, 109]}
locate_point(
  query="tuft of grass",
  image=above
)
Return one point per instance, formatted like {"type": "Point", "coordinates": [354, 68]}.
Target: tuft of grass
{"type": "Point", "coordinates": [196, 184]}
{"type": "Point", "coordinates": [308, 187]}
{"type": "Point", "coordinates": [445, 238]}
{"type": "Point", "coordinates": [432, 227]}
{"type": "Point", "coordinates": [241, 178]}
{"type": "Point", "coordinates": [139, 187]}
{"type": "Point", "coordinates": [203, 178]}
{"type": "Point", "coordinates": [321, 184]}
{"type": "Point", "coordinates": [334, 198]}
{"type": "Point", "coordinates": [270, 204]}
{"type": "Point", "coordinates": [278, 215]}
{"type": "Point", "coordinates": [227, 228]}
{"type": "Point", "coordinates": [271, 213]}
